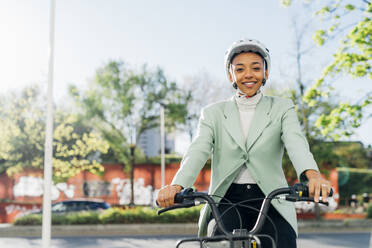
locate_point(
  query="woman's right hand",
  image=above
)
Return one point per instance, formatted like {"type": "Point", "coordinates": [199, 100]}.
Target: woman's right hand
{"type": "Point", "coordinates": [166, 195]}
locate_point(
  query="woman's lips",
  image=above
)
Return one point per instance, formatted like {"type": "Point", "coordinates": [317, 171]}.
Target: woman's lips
{"type": "Point", "coordinates": [249, 84]}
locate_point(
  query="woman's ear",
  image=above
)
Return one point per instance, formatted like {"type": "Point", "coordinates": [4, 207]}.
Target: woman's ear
{"type": "Point", "coordinates": [230, 77]}
{"type": "Point", "coordinates": [266, 74]}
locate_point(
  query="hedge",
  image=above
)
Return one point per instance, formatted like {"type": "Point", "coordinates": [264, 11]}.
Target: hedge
{"type": "Point", "coordinates": [116, 216]}
{"type": "Point", "coordinates": [353, 181]}
{"type": "Point", "coordinates": [369, 211]}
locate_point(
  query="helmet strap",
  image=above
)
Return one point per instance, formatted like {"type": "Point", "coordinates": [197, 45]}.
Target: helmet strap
{"type": "Point", "coordinates": [264, 75]}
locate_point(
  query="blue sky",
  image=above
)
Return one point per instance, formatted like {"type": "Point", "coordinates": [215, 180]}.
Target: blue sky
{"type": "Point", "coordinates": [182, 37]}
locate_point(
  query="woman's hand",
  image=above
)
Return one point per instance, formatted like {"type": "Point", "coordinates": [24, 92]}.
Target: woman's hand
{"type": "Point", "coordinates": [166, 195]}
{"type": "Point", "coordinates": [317, 184]}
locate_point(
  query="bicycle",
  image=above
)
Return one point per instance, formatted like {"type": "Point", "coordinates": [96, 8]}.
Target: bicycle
{"type": "Point", "coordinates": [239, 238]}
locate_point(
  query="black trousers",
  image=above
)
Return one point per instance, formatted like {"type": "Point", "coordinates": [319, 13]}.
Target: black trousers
{"type": "Point", "coordinates": [239, 192]}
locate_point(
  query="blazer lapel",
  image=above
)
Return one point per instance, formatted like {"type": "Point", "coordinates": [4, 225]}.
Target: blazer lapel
{"type": "Point", "coordinates": [232, 122]}
{"type": "Point", "coordinates": [261, 120]}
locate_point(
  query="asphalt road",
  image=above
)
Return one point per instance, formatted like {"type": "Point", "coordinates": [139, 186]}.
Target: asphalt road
{"type": "Point", "coordinates": [306, 240]}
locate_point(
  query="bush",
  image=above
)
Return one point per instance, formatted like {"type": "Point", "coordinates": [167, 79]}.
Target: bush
{"type": "Point", "coordinates": [353, 181]}
{"type": "Point", "coordinates": [369, 211]}
{"type": "Point", "coordinates": [82, 218]}
{"type": "Point", "coordinates": [28, 220]}
{"type": "Point", "coordinates": [148, 215]}
{"type": "Point", "coordinates": [117, 216]}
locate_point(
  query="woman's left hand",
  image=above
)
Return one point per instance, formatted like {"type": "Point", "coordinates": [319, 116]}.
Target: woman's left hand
{"type": "Point", "coordinates": [318, 186]}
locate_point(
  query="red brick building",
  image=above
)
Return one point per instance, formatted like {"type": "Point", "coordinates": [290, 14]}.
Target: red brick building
{"type": "Point", "coordinates": [24, 191]}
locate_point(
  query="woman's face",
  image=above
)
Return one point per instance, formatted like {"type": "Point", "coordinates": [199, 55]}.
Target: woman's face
{"type": "Point", "coordinates": [248, 72]}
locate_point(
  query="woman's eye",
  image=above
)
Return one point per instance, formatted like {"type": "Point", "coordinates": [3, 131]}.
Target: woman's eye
{"type": "Point", "coordinates": [239, 69]}
{"type": "Point", "coordinates": [257, 68]}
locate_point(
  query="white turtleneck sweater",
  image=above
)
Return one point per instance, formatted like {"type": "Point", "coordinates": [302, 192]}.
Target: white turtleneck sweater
{"type": "Point", "coordinates": [246, 107]}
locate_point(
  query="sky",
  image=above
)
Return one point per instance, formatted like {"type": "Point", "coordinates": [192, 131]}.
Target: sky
{"type": "Point", "coordinates": [182, 37]}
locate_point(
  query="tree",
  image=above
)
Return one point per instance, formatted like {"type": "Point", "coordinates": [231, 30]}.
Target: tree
{"type": "Point", "coordinates": [300, 79]}
{"type": "Point", "coordinates": [203, 90]}
{"type": "Point", "coordinates": [76, 147]}
{"type": "Point", "coordinates": [350, 20]}
{"type": "Point", "coordinates": [318, 110]}
{"type": "Point", "coordinates": [326, 153]}
{"type": "Point", "coordinates": [123, 103]}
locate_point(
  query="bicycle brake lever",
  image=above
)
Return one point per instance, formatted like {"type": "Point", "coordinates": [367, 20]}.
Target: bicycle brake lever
{"type": "Point", "coordinates": [292, 198]}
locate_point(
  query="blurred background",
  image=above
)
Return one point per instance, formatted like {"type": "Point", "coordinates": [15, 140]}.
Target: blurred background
{"type": "Point", "coordinates": [117, 62]}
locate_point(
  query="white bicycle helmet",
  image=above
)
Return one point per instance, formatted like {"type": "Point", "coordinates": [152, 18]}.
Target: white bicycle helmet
{"type": "Point", "coordinates": [247, 45]}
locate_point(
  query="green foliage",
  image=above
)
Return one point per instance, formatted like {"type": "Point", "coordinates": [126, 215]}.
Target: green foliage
{"type": "Point", "coordinates": [319, 37]}
{"type": "Point", "coordinates": [351, 155]}
{"type": "Point", "coordinates": [123, 103]}
{"type": "Point", "coordinates": [117, 216]}
{"type": "Point", "coordinates": [349, 115]}
{"type": "Point", "coordinates": [329, 155]}
{"type": "Point", "coordinates": [22, 137]}
{"type": "Point", "coordinates": [352, 22]}
{"type": "Point", "coordinates": [353, 181]}
{"type": "Point", "coordinates": [369, 211]}
{"type": "Point", "coordinates": [349, 7]}
{"type": "Point", "coordinates": [81, 218]}
{"type": "Point", "coordinates": [169, 158]}
{"type": "Point", "coordinates": [285, 3]}
{"type": "Point", "coordinates": [29, 220]}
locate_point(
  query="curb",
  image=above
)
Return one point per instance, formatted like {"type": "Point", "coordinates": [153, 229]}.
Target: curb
{"type": "Point", "coordinates": [347, 225]}
{"type": "Point", "coordinates": [102, 230]}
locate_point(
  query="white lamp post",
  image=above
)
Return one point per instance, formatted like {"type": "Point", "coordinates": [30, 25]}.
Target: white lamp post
{"type": "Point", "coordinates": [48, 152]}
{"type": "Point", "coordinates": [162, 145]}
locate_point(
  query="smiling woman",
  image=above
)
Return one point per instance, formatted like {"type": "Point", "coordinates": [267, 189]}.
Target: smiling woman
{"type": "Point", "coordinates": [247, 65]}
{"type": "Point", "coordinates": [246, 136]}
{"type": "Point", "coordinates": [248, 72]}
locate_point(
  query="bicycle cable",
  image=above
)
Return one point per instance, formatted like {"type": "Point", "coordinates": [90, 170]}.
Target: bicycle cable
{"type": "Point", "coordinates": [234, 205]}
{"type": "Point", "coordinates": [229, 202]}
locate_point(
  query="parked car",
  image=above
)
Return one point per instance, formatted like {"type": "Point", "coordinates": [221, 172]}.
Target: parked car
{"type": "Point", "coordinates": [76, 205]}
{"type": "Point", "coordinates": [79, 205]}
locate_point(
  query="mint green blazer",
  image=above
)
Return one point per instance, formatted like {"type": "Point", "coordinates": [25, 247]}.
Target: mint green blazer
{"type": "Point", "coordinates": [219, 135]}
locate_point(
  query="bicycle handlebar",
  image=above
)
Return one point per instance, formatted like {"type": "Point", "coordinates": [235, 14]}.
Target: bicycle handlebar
{"type": "Point", "coordinates": [187, 198]}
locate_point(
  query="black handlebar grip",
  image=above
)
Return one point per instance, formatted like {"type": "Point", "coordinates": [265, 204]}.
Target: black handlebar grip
{"type": "Point", "coordinates": [178, 198]}
{"type": "Point", "coordinates": [305, 190]}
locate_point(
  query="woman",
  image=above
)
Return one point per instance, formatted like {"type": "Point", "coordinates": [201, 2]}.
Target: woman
{"type": "Point", "coordinates": [247, 135]}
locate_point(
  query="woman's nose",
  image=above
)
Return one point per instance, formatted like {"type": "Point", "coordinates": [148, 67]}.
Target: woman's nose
{"type": "Point", "coordinates": [248, 74]}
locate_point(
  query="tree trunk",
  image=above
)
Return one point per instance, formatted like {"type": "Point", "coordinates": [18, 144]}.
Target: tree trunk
{"type": "Point", "coordinates": [132, 148]}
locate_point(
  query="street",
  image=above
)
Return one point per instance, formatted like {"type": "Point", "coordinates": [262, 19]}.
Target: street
{"type": "Point", "coordinates": [306, 240]}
